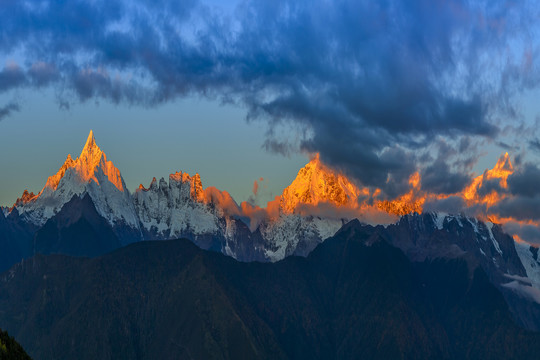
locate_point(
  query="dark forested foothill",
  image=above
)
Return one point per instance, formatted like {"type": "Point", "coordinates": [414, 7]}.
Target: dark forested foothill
{"type": "Point", "coordinates": [355, 296]}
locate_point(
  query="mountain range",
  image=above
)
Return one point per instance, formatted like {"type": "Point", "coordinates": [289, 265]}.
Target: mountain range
{"type": "Point", "coordinates": [89, 192]}
{"type": "Point", "coordinates": [421, 266]}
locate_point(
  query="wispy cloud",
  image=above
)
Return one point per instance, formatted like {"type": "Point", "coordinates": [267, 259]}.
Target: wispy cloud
{"type": "Point", "coordinates": [8, 109]}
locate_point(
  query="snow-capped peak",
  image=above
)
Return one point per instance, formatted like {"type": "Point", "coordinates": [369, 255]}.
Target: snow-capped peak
{"type": "Point", "coordinates": [52, 181]}
{"type": "Point", "coordinates": [504, 164]}
{"type": "Point", "coordinates": [171, 210]}
{"type": "Point", "coordinates": [90, 173]}
{"type": "Point", "coordinates": [91, 156]}
{"type": "Point", "coordinates": [317, 183]}
{"type": "Point", "coordinates": [191, 185]}
{"type": "Point", "coordinates": [90, 144]}
{"type": "Point", "coordinates": [86, 167]}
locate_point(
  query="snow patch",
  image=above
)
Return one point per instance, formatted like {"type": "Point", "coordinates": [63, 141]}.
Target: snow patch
{"type": "Point", "coordinates": [283, 235]}
{"type": "Point", "coordinates": [532, 267]}
{"type": "Point", "coordinates": [438, 219]}
{"type": "Point", "coordinates": [474, 224]}
{"type": "Point", "coordinates": [489, 226]}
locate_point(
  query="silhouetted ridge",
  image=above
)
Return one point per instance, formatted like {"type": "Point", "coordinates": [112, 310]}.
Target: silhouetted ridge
{"type": "Point", "coordinates": [77, 230]}
{"type": "Point", "coordinates": [169, 299]}
{"type": "Point", "coordinates": [11, 349]}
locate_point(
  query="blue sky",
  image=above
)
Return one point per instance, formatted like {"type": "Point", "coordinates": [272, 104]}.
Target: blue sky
{"type": "Point", "coordinates": [247, 89]}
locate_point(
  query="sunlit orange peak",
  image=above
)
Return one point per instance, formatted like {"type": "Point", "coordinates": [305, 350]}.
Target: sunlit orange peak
{"type": "Point", "coordinates": [501, 171]}
{"type": "Point", "coordinates": [24, 199]}
{"type": "Point", "coordinates": [52, 181]}
{"type": "Point", "coordinates": [180, 176]}
{"type": "Point", "coordinates": [414, 179]}
{"type": "Point", "coordinates": [411, 202]}
{"type": "Point", "coordinates": [317, 183]}
{"type": "Point", "coordinates": [86, 165]}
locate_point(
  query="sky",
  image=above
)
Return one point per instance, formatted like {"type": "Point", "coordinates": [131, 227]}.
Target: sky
{"type": "Point", "coordinates": [192, 135]}
{"type": "Point", "coordinates": [239, 90]}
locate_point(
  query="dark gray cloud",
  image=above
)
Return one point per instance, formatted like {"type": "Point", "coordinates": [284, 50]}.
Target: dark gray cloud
{"type": "Point", "coordinates": [42, 74]}
{"type": "Point", "coordinates": [8, 109]}
{"type": "Point", "coordinates": [440, 179]}
{"type": "Point", "coordinates": [488, 186]}
{"type": "Point", "coordinates": [518, 207]}
{"type": "Point", "coordinates": [447, 165]}
{"type": "Point", "coordinates": [535, 145]}
{"type": "Point", "coordinates": [367, 84]}
{"type": "Point", "coordinates": [525, 181]}
{"type": "Point", "coordinates": [518, 159]}
{"type": "Point", "coordinates": [451, 205]}
{"type": "Point", "coordinates": [529, 233]}
{"type": "Point", "coordinates": [507, 147]}
{"type": "Point", "coordinates": [11, 76]}
{"type": "Point", "coordinates": [456, 205]}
